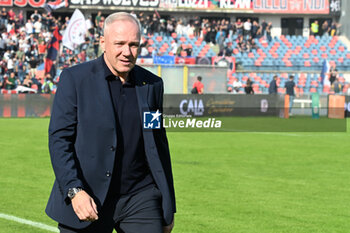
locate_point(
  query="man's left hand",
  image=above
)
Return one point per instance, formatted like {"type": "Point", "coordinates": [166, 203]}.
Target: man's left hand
{"type": "Point", "coordinates": [169, 228]}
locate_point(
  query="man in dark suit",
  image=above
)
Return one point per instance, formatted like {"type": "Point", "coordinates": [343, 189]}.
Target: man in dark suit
{"type": "Point", "coordinates": [273, 85]}
{"type": "Point", "coordinates": [110, 172]}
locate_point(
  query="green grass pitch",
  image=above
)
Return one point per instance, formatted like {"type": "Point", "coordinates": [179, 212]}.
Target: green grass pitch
{"type": "Point", "coordinates": [225, 182]}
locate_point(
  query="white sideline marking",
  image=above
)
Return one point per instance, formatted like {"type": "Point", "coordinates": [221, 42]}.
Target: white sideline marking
{"type": "Point", "coordinates": [28, 222]}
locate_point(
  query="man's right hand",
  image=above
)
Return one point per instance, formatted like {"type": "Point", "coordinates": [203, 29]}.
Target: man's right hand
{"type": "Point", "coordinates": [84, 207]}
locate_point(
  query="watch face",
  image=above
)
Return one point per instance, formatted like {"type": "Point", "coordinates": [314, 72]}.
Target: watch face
{"type": "Point", "coordinates": [70, 193]}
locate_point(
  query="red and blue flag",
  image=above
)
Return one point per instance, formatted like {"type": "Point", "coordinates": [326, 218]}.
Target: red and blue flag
{"type": "Point", "coordinates": [52, 50]}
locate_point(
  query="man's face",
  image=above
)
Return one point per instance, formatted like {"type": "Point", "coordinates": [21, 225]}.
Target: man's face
{"type": "Point", "coordinates": [121, 45]}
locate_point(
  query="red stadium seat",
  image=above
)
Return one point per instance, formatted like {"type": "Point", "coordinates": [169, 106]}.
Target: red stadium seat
{"type": "Point", "coordinates": [257, 63]}
{"type": "Point", "coordinates": [341, 48]}
{"type": "Point", "coordinates": [324, 55]}
{"type": "Point", "coordinates": [341, 59]}
{"type": "Point", "coordinates": [183, 39]}
{"type": "Point", "coordinates": [301, 91]}
{"type": "Point", "coordinates": [307, 63]}
{"type": "Point", "coordinates": [174, 35]}
{"type": "Point", "coordinates": [306, 56]}
{"type": "Point", "coordinates": [313, 90]}
{"type": "Point", "coordinates": [326, 89]}
{"type": "Point", "coordinates": [314, 52]}
{"type": "Point", "coordinates": [159, 38]}
{"type": "Point", "coordinates": [333, 52]}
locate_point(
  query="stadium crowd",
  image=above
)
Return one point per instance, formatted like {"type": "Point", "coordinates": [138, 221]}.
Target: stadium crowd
{"type": "Point", "coordinates": [24, 44]}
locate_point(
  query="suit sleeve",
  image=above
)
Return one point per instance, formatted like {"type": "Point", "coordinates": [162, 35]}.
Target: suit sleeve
{"type": "Point", "coordinates": [163, 150]}
{"type": "Point", "coordinates": [62, 134]}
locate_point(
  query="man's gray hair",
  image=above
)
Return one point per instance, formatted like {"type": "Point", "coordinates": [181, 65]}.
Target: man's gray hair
{"type": "Point", "coordinates": [121, 16]}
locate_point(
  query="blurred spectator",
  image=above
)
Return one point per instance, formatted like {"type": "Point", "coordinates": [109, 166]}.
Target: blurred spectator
{"type": "Point", "coordinates": [197, 26]}
{"type": "Point", "coordinates": [20, 69]}
{"type": "Point", "coordinates": [268, 32]}
{"type": "Point", "coordinates": [291, 91]}
{"type": "Point", "coordinates": [11, 16]}
{"type": "Point", "coordinates": [179, 28]}
{"type": "Point", "coordinates": [325, 28]}
{"type": "Point", "coordinates": [249, 88]}
{"type": "Point", "coordinates": [27, 82]}
{"type": "Point", "coordinates": [333, 74]}
{"type": "Point", "coordinates": [273, 85]}
{"type": "Point", "coordinates": [198, 86]}
{"type": "Point", "coordinates": [4, 16]}
{"type": "Point", "coordinates": [98, 18]}
{"type": "Point", "coordinates": [162, 28]}
{"type": "Point", "coordinates": [48, 84]}
{"type": "Point", "coordinates": [337, 86]}
{"type": "Point", "coordinates": [144, 51]}
{"type": "Point", "coordinates": [263, 28]}
{"type": "Point", "coordinates": [170, 28]}
{"type": "Point", "coordinates": [42, 49]}
{"type": "Point", "coordinates": [220, 38]}
{"type": "Point", "coordinates": [33, 63]}
{"type": "Point", "coordinates": [314, 28]}
{"type": "Point", "coordinates": [255, 29]}
{"type": "Point", "coordinates": [228, 50]}
{"type": "Point", "coordinates": [334, 29]}
{"type": "Point", "coordinates": [38, 83]}
{"type": "Point", "coordinates": [239, 27]}
{"type": "Point", "coordinates": [35, 16]}
{"type": "Point", "coordinates": [188, 50]}
{"type": "Point", "coordinates": [2, 46]}
{"type": "Point", "coordinates": [10, 81]}
{"type": "Point", "coordinates": [29, 27]}
{"type": "Point", "coordinates": [247, 26]}
{"type": "Point", "coordinates": [174, 47]}
{"type": "Point", "coordinates": [180, 49]}
{"type": "Point", "coordinates": [37, 28]}
{"type": "Point", "coordinates": [237, 85]}
{"type": "Point", "coordinates": [11, 64]}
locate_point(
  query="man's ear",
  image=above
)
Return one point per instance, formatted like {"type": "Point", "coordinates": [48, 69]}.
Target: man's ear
{"type": "Point", "coordinates": [102, 43]}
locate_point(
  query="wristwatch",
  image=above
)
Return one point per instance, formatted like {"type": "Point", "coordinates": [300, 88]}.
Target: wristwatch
{"type": "Point", "coordinates": [73, 191]}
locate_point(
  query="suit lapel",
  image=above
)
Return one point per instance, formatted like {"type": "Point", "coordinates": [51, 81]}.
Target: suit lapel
{"type": "Point", "coordinates": [103, 95]}
{"type": "Point", "coordinates": [142, 89]}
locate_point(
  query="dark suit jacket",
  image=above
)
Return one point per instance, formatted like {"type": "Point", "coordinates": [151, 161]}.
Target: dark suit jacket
{"type": "Point", "coordinates": [82, 139]}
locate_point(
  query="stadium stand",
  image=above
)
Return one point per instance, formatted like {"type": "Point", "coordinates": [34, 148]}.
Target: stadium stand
{"type": "Point", "coordinates": [255, 52]}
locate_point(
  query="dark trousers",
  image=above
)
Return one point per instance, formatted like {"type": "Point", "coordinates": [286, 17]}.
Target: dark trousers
{"type": "Point", "coordinates": [136, 213]}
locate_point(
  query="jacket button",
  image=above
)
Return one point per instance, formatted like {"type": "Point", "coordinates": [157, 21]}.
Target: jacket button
{"type": "Point", "coordinates": [108, 173]}
{"type": "Point", "coordinates": [112, 148]}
